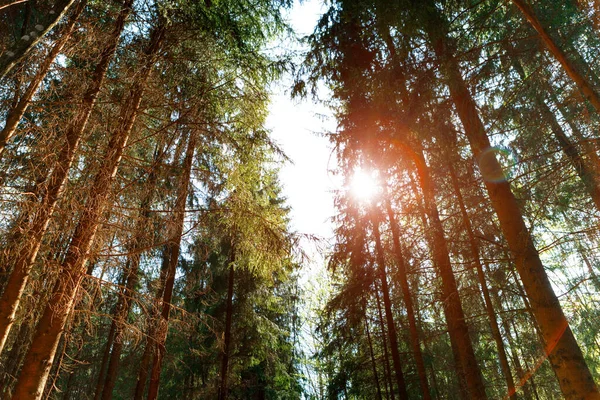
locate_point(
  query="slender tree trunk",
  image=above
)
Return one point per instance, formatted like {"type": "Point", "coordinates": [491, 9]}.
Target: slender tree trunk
{"type": "Point", "coordinates": [47, 20]}
{"type": "Point", "coordinates": [489, 307]}
{"type": "Point", "coordinates": [125, 300]}
{"type": "Point", "coordinates": [585, 173]}
{"type": "Point", "coordinates": [408, 302]}
{"type": "Point", "coordinates": [16, 113]}
{"type": "Point", "coordinates": [105, 358]}
{"type": "Point", "coordinates": [388, 367]}
{"type": "Point", "coordinates": [174, 248]}
{"type": "Point", "coordinates": [455, 317]}
{"type": "Point", "coordinates": [372, 356]}
{"type": "Point", "coordinates": [27, 255]}
{"type": "Point", "coordinates": [37, 364]}
{"type": "Point", "coordinates": [228, 314]}
{"type": "Point", "coordinates": [152, 328]}
{"type": "Point", "coordinates": [389, 316]}
{"type": "Point", "coordinates": [567, 360]}
{"type": "Point", "coordinates": [582, 83]}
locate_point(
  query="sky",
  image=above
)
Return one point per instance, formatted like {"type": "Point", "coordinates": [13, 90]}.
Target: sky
{"type": "Point", "coordinates": [297, 126]}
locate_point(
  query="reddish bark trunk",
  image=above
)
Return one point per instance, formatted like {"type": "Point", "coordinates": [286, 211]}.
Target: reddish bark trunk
{"type": "Point", "coordinates": [389, 316]}
{"type": "Point", "coordinates": [174, 248]}
{"type": "Point", "coordinates": [580, 81]}
{"type": "Point", "coordinates": [39, 358]}
{"type": "Point", "coordinates": [565, 356]}
{"type": "Point", "coordinates": [27, 254]}
{"type": "Point", "coordinates": [16, 113]}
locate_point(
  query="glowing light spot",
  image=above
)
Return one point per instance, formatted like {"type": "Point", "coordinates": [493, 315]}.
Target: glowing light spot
{"type": "Point", "coordinates": [364, 185]}
{"type": "Point", "coordinates": [39, 27]}
{"type": "Point", "coordinates": [10, 54]}
{"type": "Point", "coordinates": [25, 37]}
{"type": "Point", "coordinates": [497, 163]}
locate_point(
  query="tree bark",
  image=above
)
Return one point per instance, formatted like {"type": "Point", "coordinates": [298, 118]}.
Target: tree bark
{"type": "Point", "coordinates": [174, 249]}
{"type": "Point", "coordinates": [39, 358]}
{"type": "Point", "coordinates": [408, 302]}
{"type": "Point", "coordinates": [386, 358]}
{"type": "Point", "coordinates": [124, 301]}
{"type": "Point", "coordinates": [580, 81]}
{"type": "Point", "coordinates": [372, 357]}
{"type": "Point", "coordinates": [27, 255]}
{"type": "Point", "coordinates": [49, 18]}
{"type": "Point", "coordinates": [15, 114]}
{"type": "Point", "coordinates": [389, 316]}
{"type": "Point", "coordinates": [228, 317]}
{"type": "Point", "coordinates": [457, 327]}
{"type": "Point", "coordinates": [489, 307]}
{"type": "Point", "coordinates": [565, 356]}
{"type": "Point", "coordinates": [585, 173]}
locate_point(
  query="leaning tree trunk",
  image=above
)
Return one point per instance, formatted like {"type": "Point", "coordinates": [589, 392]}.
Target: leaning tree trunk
{"type": "Point", "coordinates": [16, 113]}
{"type": "Point", "coordinates": [39, 358]}
{"type": "Point", "coordinates": [566, 358]}
{"type": "Point", "coordinates": [585, 173]}
{"type": "Point", "coordinates": [455, 316]}
{"type": "Point", "coordinates": [27, 255]}
{"type": "Point", "coordinates": [408, 302]}
{"type": "Point", "coordinates": [174, 243]}
{"type": "Point", "coordinates": [582, 83]}
{"type": "Point", "coordinates": [389, 316]}
{"type": "Point", "coordinates": [489, 307]}
{"type": "Point", "coordinates": [46, 22]}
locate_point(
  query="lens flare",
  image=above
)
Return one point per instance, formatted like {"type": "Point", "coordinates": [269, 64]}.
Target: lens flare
{"type": "Point", "coordinates": [497, 163]}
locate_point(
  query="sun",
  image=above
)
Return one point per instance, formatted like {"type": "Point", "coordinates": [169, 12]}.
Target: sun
{"type": "Point", "coordinates": [364, 185]}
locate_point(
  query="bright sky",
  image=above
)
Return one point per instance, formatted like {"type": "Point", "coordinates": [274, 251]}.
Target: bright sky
{"type": "Point", "coordinates": [296, 126]}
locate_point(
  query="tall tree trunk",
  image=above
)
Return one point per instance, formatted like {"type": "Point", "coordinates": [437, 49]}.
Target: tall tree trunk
{"type": "Point", "coordinates": [386, 357]}
{"type": "Point", "coordinates": [174, 243]}
{"type": "Point", "coordinates": [567, 360]}
{"type": "Point", "coordinates": [389, 316]}
{"type": "Point", "coordinates": [457, 327]}
{"type": "Point", "coordinates": [489, 307]}
{"type": "Point", "coordinates": [150, 347]}
{"type": "Point", "coordinates": [582, 83]}
{"type": "Point", "coordinates": [372, 357]}
{"type": "Point", "coordinates": [125, 300]}
{"type": "Point", "coordinates": [39, 358]}
{"type": "Point", "coordinates": [27, 255]}
{"type": "Point", "coordinates": [408, 302]}
{"type": "Point", "coordinates": [228, 317]}
{"type": "Point", "coordinates": [16, 113]}
{"type": "Point", "coordinates": [585, 173]}
{"type": "Point", "coordinates": [47, 20]}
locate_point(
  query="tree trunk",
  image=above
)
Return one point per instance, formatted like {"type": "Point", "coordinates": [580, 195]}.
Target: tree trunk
{"type": "Point", "coordinates": [124, 301]}
{"type": "Point", "coordinates": [580, 81]}
{"type": "Point", "coordinates": [228, 314]}
{"type": "Point", "coordinates": [585, 173]}
{"type": "Point", "coordinates": [408, 302]}
{"type": "Point", "coordinates": [15, 114]}
{"type": "Point", "coordinates": [174, 243]}
{"type": "Point", "coordinates": [386, 358]}
{"type": "Point", "coordinates": [47, 20]}
{"type": "Point", "coordinates": [387, 304]}
{"type": "Point", "coordinates": [457, 327]}
{"type": "Point", "coordinates": [27, 255]}
{"type": "Point", "coordinates": [37, 364]}
{"type": "Point", "coordinates": [489, 307]}
{"type": "Point", "coordinates": [372, 357]}
{"type": "Point", "coordinates": [567, 360]}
